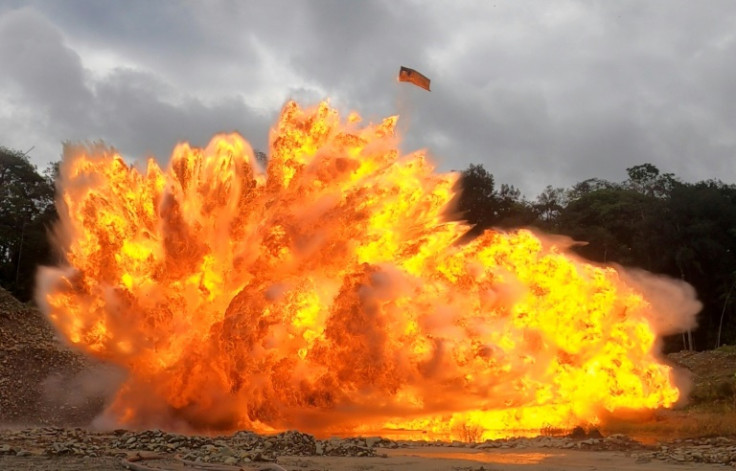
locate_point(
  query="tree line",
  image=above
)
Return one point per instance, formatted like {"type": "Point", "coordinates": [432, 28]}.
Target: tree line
{"type": "Point", "coordinates": [651, 220]}
{"type": "Point", "coordinates": [27, 213]}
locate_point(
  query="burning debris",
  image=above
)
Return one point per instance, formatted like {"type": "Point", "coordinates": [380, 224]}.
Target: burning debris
{"type": "Point", "coordinates": [328, 293]}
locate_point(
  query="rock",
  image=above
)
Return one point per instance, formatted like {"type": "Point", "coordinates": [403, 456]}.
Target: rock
{"type": "Point", "coordinates": [371, 442]}
{"type": "Point", "coordinates": [578, 433]}
{"type": "Point", "coordinates": [246, 447]}
{"type": "Point", "coordinates": [31, 359]}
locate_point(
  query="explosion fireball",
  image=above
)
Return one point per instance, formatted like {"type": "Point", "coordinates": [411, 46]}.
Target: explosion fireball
{"type": "Point", "coordinates": [329, 293]}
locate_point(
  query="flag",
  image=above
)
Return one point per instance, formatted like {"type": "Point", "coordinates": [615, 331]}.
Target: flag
{"type": "Point", "coordinates": [412, 76]}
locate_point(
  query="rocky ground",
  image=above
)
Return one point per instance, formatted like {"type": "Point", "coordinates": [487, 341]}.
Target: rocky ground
{"type": "Point", "coordinates": [713, 374]}
{"type": "Point", "coordinates": [34, 366]}
{"type": "Point", "coordinates": [37, 422]}
{"type": "Point", "coordinates": [237, 449]}
{"type": "Point", "coordinates": [155, 449]}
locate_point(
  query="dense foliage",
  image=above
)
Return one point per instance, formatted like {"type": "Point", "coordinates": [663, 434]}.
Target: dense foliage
{"type": "Point", "coordinates": [651, 220]}
{"type": "Point", "coordinates": [26, 214]}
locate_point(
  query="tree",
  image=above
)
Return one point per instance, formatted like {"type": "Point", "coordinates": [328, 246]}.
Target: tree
{"type": "Point", "coordinates": [610, 220]}
{"type": "Point", "coordinates": [654, 221]}
{"type": "Point", "coordinates": [646, 179]}
{"type": "Point", "coordinates": [587, 186]}
{"type": "Point", "coordinates": [698, 227]}
{"type": "Point", "coordinates": [549, 203]}
{"type": "Point", "coordinates": [477, 198]}
{"type": "Point", "coordinates": [484, 207]}
{"type": "Point", "coordinates": [513, 210]}
{"type": "Point", "coordinates": [26, 210]}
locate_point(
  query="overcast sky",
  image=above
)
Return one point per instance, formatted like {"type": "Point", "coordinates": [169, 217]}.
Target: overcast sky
{"type": "Point", "coordinates": [539, 92]}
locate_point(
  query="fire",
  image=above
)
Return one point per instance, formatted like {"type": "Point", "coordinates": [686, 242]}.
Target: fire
{"type": "Point", "coordinates": [329, 293]}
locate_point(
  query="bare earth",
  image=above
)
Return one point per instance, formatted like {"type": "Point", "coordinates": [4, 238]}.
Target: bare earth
{"type": "Point", "coordinates": [46, 390]}
{"type": "Point", "coordinates": [435, 458]}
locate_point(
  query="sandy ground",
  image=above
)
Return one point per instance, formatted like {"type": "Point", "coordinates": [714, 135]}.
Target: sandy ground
{"type": "Point", "coordinates": [425, 458]}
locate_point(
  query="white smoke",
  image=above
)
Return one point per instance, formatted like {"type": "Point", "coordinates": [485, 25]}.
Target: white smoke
{"type": "Point", "coordinates": [674, 302]}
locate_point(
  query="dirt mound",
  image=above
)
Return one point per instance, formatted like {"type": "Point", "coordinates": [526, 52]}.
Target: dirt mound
{"type": "Point", "coordinates": [713, 373]}
{"type": "Point", "coordinates": [41, 379]}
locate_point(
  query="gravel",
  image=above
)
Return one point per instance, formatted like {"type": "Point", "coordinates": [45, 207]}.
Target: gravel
{"type": "Point", "coordinates": [246, 448]}
{"type": "Point", "coordinates": [238, 449]}
{"type": "Point", "coordinates": [35, 367]}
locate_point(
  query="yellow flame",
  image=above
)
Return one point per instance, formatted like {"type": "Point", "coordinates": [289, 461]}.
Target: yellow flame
{"type": "Point", "coordinates": [331, 294]}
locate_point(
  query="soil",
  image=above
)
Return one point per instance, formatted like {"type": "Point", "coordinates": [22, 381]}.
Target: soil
{"type": "Point", "coordinates": [37, 425]}
{"type": "Point", "coordinates": [407, 460]}
{"type": "Point", "coordinates": [712, 372]}
{"type": "Point", "coordinates": [35, 365]}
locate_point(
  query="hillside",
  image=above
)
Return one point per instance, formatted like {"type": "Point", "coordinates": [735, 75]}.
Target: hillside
{"type": "Point", "coordinates": [42, 382]}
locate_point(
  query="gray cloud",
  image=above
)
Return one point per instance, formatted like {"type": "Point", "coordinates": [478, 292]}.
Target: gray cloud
{"type": "Point", "coordinates": [47, 74]}
{"type": "Point", "coordinates": [135, 110]}
{"type": "Point", "coordinates": [540, 94]}
{"type": "Point", "coordinates": [144, 124]}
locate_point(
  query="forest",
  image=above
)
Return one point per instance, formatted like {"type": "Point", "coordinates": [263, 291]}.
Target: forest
{"type": "Point", "coordinates": [651, 220]}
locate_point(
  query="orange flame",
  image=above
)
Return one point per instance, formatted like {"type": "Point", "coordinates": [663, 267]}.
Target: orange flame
{"type": "Point", "coordinates": [329, 294]}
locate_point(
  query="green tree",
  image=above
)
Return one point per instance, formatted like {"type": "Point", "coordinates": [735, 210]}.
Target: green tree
{"type": "Point", "coordinates": [697, 242]}
{"type": "Point", "coordinates": [611, 221]}
{"type": "Point", "coordinates": [646, 179]}
{"type": "Point", "coordinates": [26, 211]}
{"type": "Point", "coordinates": [587, 186]}
{"type": "Point", "coordinates": [654, 221]}
{"type": "Point", "coordinates": [513, 210]}
{"type": "Point", "coordinates": [481, 205]}
{"type": "Point", "coordinates": [549, 203]}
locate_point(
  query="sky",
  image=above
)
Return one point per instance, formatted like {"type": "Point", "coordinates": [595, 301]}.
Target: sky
{"type": "Point", "coordinates": [538, 92]}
